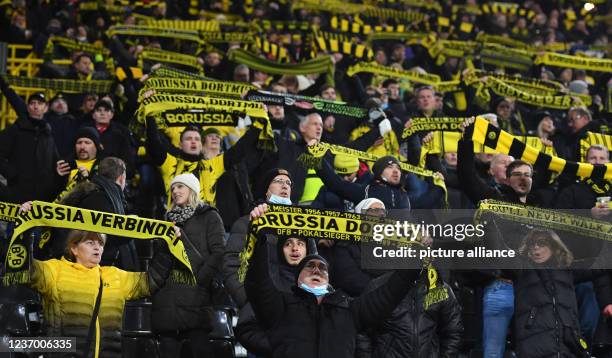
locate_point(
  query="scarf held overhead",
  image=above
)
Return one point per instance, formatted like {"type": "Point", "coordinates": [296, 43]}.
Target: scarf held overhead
{"type": "Point", "coordinates": [62, 216]}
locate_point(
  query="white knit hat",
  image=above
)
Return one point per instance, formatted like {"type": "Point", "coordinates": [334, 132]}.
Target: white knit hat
{"type": "Point", "coordinates": [189, 180]}
{"type": "Point", "coordinates": [366, 203]}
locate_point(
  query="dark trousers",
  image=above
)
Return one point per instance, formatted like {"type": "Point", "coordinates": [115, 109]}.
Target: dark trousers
{"type": "Point", "coordinates": [195, 341]}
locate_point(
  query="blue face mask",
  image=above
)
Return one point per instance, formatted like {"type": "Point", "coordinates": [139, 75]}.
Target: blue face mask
{"type": "Point", "coordinates": [317, 291]}
{"type": "Point", "coordinates": [275, 199]}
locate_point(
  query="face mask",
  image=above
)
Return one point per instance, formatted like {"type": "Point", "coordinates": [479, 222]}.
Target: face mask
{"type": "Point", "coordinates": [275, 199]}
{"type": "Point", "coordinates": [317, 291]}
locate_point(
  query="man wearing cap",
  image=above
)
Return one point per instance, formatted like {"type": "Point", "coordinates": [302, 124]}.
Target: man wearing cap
{"type": "Point", "coordinates": [114, 137]}
{"type": "Point", "coordinates": [314, 320]}
{"type": "Point", "coordinates": [84, 165]}
{"type": "Point", "coordinates": [211, 142]}
{"type": "Point", "coordinates": [273, 187]}
{"type": "Point", "coordinates": [27, 150]}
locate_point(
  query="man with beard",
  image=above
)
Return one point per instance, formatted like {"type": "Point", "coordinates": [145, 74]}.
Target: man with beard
{"type": "Point", "coordinates": [73, 171]}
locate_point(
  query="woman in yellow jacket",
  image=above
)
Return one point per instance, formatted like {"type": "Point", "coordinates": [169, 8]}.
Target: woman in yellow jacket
{"type": "Point", "coordinates": [70, 286]}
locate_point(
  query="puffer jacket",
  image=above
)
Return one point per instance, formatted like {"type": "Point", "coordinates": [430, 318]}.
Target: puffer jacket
{"type": "Point", "coordinates": [69, 291]}
{"type": "Point", "coordinates": [412, 330]}
{"type": "Point", "coordinates": [182, 304]}
{"type": "Point", "coordinates": [545, 314]}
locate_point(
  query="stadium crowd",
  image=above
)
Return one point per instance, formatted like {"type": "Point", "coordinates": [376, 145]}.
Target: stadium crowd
{"type": "Point", "coordinates": [111, 139]}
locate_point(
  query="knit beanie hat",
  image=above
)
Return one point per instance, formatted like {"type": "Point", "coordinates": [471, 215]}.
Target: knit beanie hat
{"type": "Point", "coordinates": [345, 164]}
{"type": "Point", "coordinates": [189, 180]}
{"type": "Point", "coordinates": [380, 165]}
{"type": "Point", "coordinates": [261, 188]}
{"type": "Point", "coordinates": [305, 260]}
{"type": "Point", "coordinates": [579, 86]}
{"type": "Point", "coordinates": [89, 133]}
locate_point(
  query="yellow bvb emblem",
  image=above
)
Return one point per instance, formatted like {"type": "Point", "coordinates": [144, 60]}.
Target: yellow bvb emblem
{"type": "Point", "coordinates": [317, 150]}
{"type": "Point", "coordinates": [17, 256]}
{"type": "Point", "coordinates": [492, 135]}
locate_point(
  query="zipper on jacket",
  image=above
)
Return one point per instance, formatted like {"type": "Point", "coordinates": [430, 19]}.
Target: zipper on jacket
{"type": "Point", "coordinates": [318, 322]}
{"type": "Point", "coordinates": [415, 322]}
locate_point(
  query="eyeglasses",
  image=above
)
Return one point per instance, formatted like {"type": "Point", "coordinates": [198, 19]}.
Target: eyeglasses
{"type": "Point", "coordinates": [519, 174]}
{"type": "Point", "coordinates": [281, 182]}
{"type": "Point", "coordinates": [376, 211]}
{"type": "Point", "coordinates": [539, 243]}
{"type": "Point", "coordinates": [311, 266]}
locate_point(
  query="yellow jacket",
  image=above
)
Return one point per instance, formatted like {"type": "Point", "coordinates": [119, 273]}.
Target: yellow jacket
{"type": "Point", "coordinates": [69, 293]}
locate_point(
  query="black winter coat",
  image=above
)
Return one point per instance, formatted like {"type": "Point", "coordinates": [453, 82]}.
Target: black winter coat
{"type": "Point", "coordinates": [347, 273]}
{"type": "Point", "coordinates": [27, 155]}
{"type": "Point", "coordinates": [301, 327]}
{"type": "Point", "coordinates": [579, 196]}
{"type": "Point", "coordinates": [412, 331]}
{"type": "Point", "coordinates": [231, 261]}
{"type": "Point", "coordinates": [117, 142]}
{"type": "Point", "coordinates": [180, 304]}
{"type": "Point", "coordinates": [545, 313]}
{"type": "Point", "coordinates": [249, 331]}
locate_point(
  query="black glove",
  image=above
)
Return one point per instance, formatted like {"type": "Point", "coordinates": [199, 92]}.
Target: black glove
{"type": "Point", "coordinates": [161, 265]}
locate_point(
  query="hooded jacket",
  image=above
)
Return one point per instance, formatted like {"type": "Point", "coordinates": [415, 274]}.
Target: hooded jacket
{"type": "Point", "coordinates": [301, 327]}
{"type": "Point", "coordinates": [249, 332]}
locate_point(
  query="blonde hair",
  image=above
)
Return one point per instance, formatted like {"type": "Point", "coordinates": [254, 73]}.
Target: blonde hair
{"type": "Point", "coordinates": [75, 237]}
{"type": "Point", "coordinates": [193, 200]}
{"type": "Point", "coordinates": [560, 252]}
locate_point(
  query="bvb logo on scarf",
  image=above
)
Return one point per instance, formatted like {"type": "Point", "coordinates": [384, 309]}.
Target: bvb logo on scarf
{"type": "Point", "coordinates": [62, 216]}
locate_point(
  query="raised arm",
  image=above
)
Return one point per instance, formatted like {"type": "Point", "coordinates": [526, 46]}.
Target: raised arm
{"type": "Point", "coordinates": [16, 102]}
{"type": "Point", "coordinates": [266, 300]}
{"type": "Point", "coordinates": [473, 186]}
{"type": "Point", "coordinates": [154, 145]}
{"type": "Point", "coordinates": [242, 148]}
{"type": "Point", "coordinates": [349, 191]}
{"type": "Point", "coordinates": [371, 307]}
